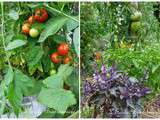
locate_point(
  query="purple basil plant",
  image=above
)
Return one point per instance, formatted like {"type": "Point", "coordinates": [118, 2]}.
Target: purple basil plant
{"type": "Point", "coordinates": [114, 94]}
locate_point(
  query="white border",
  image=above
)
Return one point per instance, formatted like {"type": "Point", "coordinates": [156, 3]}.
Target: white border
{"type": "Point", "coordinates": [80, 0]}
{"type": "Point", "coordinates": [79, 63]}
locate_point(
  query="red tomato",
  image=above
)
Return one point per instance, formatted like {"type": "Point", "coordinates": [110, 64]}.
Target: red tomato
{"type": "Point", "coordinates": [55, 58]}
{"type": "Point", "coordinates": [26, 28]}
{"type": "Point", "coordinates": [41, 15]}
{"type": "Point", "coordinates": [63, 49]}
{"type": "Point", "coordinates": [98, 55]}
{"type": "Point", "coordinates": [31, 19]}
{"type": "Point", "coordinates": [66, 60]}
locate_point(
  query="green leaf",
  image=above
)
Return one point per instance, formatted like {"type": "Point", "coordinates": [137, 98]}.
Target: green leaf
{"type": "Point", "coordinates": [73, 82]}
{"type": "Point", "coordinates": [64, 71]}
{"type": "Point", "coordinates": [59, 38]}
{"type": "Point", "coordinates": [57, 80]}
{"type": "Point", "coordinates": [76, 40]}
{"type": "Point", "coordinates": [54, 81]}
{"type": "Point", "coordinates": [52, 27]}
{"type": "Point", "coordinates": [58, 99]}
{"type": "Point", "coordinates": [46, 62]}
{"type": "Point", "coordinates": [9, 76]}
{"type": "Point", "coordinates": [38, 66]}
{"type": "Point", "coordinates": [35, 89]}
{"type": "Point", "coordinates": [135, 63]}
{"type": "Point", "coordinates": [71, 25]}
{"type": "Point", "coordinates": [19, 86]}
{"type": "Point", "coordinates": [154, 68]}
{"type": "Point", "coordinates": [14, 44]}
{"type": "Point", "coordinates": [13, 14]}
{"type": "Point", "coordinates": [15, 97]}
{"type": "Point", "coordinates": [33, 56]}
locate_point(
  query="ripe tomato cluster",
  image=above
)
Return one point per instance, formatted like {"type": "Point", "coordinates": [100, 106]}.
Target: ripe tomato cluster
{"type": "Point", "coordinates": [62, 52]}
{"type": "Point", "coordinates": [40, 16]}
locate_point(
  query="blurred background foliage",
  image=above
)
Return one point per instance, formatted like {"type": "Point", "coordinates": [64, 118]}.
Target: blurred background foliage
{"type": "Point", "coordinates": [107, 28]}
{"type": "Point", "coordinates": [107, 25]}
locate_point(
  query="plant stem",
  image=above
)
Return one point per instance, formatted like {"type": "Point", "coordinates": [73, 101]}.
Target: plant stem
{"type": "Point", "coordinates": [57, 11]}
{"type": "Point", "coordinates": [2, 32]}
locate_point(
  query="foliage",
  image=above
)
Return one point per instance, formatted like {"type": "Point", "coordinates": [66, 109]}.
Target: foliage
{"type": "Point", "coordinates": [26, 69]}
{"type": "Point", "coordinates": [114, 94]}
{"type": "Point", "coordinates": [137, 62]}
{"type": "Point", "coordinates": [108, 25]}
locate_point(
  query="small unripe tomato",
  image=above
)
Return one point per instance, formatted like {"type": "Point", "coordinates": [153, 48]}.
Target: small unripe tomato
{"type": "Point", "coordinates": [55, 58]}
{"type": "Point", "coordinates": [136, 16]}
{"type": "Point", "coordinates": [63, 49]}
{"type": "Point", "coordinates": [26, 28]}
{"type": "Point", "coordinates": [66, 60]}
{"type": "Point", "coordinates": [52, 72]}
{"type": "Point", "coordinates": [31, 19]}
{"type": "Point", "coordinates": [135, 26]}
{"type": "Point", "coordinates": [33, 33]}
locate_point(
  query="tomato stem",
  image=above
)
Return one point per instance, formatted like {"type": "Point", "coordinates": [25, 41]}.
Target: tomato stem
{"type": "Point", "coordinates": [2, 32]}
{"type": "Point", "coordinates": [55, 10]}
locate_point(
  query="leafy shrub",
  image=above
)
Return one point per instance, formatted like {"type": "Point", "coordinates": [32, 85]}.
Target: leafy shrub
{"type": "Point", "coordinates": [114, 94]}
{"type": "Point", "coordinates": [136, 62]}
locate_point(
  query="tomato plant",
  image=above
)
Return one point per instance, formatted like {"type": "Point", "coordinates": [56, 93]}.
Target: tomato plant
{"type": "Point", "coordinates": [29, 80]}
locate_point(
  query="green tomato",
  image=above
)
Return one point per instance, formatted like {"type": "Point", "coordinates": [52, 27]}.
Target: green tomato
{"type": "Point", "coordinates": [33, 33]}
{"type": "Point", "coordinates": [52, 72]}
{"type": "Point", "coordinates": [135, 26]}
{"type": "Point", "coordinates": [136, 16]}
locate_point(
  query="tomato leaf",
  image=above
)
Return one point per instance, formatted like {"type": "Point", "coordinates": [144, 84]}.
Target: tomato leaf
{"type": "Point", "coordinates": [52, 27]}
{"type": "Point", "coordinates": [33, 56]}
{"type": "Point", "coordinates": [58, 99]}
{"type": "Point", "coordinates": [8, 78]}
{"type": "Point", "coordinates": [64, 71]}
{"type": "Point", "coordinates": [73, 82]}
{"type": "Point", "coordinates": [57, 80]}
{"type": "Point", "coordinates": [76, 40]}
{"type": "Point", "coordinates": [14, 44]}
{"type": "Point", "coordinates": [71, 25]}
{"type": "Point", "coordinates": [13, 15]}
{"type": "Point", "coordinates": [54, 81]}
{"type": "Point", "coordinates": [17, 89]}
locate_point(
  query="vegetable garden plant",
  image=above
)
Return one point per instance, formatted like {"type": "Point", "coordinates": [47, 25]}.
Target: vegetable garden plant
{"type": "Point", "coordinates": [39, 56]}
{"type": "Point", "coordinates": [125, 35]}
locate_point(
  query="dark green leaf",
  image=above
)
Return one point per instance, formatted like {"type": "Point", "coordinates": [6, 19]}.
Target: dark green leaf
{"type": "Point", "coordinates": [33, 56]}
